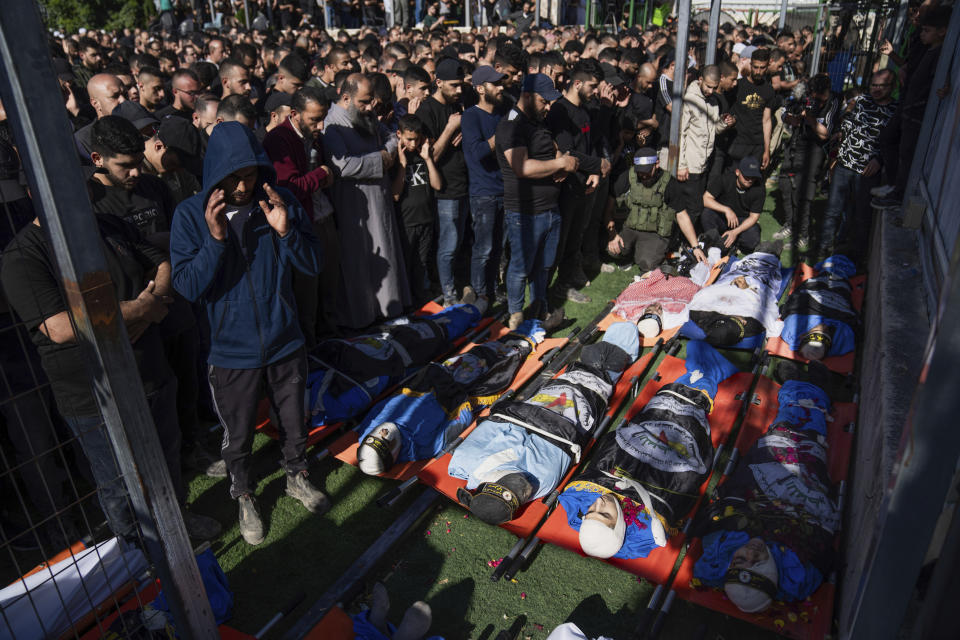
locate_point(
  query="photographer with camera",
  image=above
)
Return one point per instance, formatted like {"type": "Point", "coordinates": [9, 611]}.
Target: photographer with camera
{"type": "Point", "coordinates": [810, 119]}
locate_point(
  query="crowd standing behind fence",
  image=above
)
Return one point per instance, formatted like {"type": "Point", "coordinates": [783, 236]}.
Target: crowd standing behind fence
{"type": "Point", "coordinates": [381, 168]}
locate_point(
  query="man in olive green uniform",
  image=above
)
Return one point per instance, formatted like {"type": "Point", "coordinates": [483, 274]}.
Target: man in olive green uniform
{"type": "Point", "coordinates": [643, 208]}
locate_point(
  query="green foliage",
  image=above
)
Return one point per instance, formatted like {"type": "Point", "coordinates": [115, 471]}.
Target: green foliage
{"type": "Point", "coordinates": [70, 15]}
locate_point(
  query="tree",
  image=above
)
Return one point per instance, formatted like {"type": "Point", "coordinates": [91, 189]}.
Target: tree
{"type": "Point", "coordinates": [70, 15]}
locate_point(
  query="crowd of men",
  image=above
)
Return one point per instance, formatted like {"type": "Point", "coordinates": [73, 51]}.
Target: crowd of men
{"type": "Point", "coordinates": [259, 191]}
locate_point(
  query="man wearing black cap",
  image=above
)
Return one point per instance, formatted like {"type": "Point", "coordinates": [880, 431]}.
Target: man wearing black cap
{"type": "Point", "coordinates": [440, 112]}
{"type": "Point", "coordinates": [732, 205]}
{"type": "Point", "coordinates": [532, 167]}
{"type": "Point", "coordinates": [172, 154]}
{"type": "Point", "coordinates": [647, 200]}
{"type": "Point", "coordinates": [276, 108]}
{"type": "Point", "coordinates": [569, 123]}
{"type": "Point", "coordinates": [486, 182]}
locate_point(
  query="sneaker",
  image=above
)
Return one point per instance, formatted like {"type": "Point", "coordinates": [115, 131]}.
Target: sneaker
{"type": "Point", "coordinates": [882, 191]}
{"type": "Point", "coordinates": [500, 295]}
{"type": "Point", "coordinates": [886, 202]}
{"type": "Point", "coordinates": [784, 233]}
{"type": "Point", "coordinates": [576, 296]}
{"type": "Point", "coordinates": [216, 469]}
{"type": "Point", "coordinates": [300, 488]}
{"type": "Point", "coordinates": [449, 302]}
{"type": "Point", "coordinates": [199, 459]}
{"type": "Point", "coordinates": [516, 319]}
{"type": "Point", "coordinates": [469, 295]}
{"type": "Point", "coordinates": [251, 526]}
{"type": "Point", "coordinates": [802, 244]}
{"type": "Point", "coordinates": [201, 527]}
{"type": "Point", "coordinates": [553, 319]}
{"type": "Point", "coordinates": [610, 267]}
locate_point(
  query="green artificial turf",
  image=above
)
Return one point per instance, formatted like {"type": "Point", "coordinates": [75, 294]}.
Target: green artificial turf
{"type": "Point", "coordinates": [445, 561]}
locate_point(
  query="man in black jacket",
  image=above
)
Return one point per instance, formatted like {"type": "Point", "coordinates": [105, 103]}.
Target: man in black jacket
{"type": "Point", "coordinates": [569, 123]}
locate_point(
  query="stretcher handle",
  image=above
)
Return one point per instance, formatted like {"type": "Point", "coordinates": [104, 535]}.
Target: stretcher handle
{"type": "Point", "coordinates": [648, 612]}
{"type": "Point", "coordinates": [662, 615]}
{"type": "Point", "coordinates": [521, 559]}
{"type": "Point", "coordinates": [280, 615]}
{"type": "Point", "coordinates": [507, 561]}
{"type": "Point", "coordinates": [387, 499]}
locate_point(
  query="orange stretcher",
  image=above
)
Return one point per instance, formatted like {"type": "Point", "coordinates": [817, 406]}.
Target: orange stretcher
{"type": "Point", "coordinates": [93, 624]}
{"type": "Point", "coordinates": [659, 564]}
{"type": "Point", "coordinates": [666, 334]}
{"type": "Point", "coordinates": [335, 625]}
{"type": "Point", "coordinates": [810, 619]}
{"type": "Point", "coordinates": [345, 447]}
{"type": "Point", "coordinates": [840, 364]}
{"type": "Point", "coordinates": [317, 434]}
{"type": "Point", "coordinates": [530, 515]}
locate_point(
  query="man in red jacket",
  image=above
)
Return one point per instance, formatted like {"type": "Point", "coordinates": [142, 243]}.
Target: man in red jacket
{"type": "Point", "coordinates": [295, 149]}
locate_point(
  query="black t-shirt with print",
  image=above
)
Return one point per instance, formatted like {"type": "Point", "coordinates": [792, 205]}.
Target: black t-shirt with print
{"type": "Point", "coordinates": [32, 284]}
{"type": "Point", "coordinates": [416, 200]}
{"type": "Point", "coordinates": [743, 201]}
{"type": "Point", "coordinates": [752, 99]}
{"type": "Point", "coordinates": [526, 195]}
{"type": "Point", "coordinates": [149, 206]}
{"type": "Point", "coordinates": [452, 166]}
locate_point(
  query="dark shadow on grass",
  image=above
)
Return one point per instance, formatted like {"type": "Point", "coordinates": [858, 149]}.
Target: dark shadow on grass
{"type": "Point", "coordinates": [595, 619]}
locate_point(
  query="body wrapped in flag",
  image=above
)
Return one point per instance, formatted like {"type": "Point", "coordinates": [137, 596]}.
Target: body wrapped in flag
{"type": "Point", "coordinates": [348, 374]}
{"type": "Point", "coordinates": [523, 449]}
{"type": "Point", "coordinates": [440, 401]}
{"type": "Point", "coordinates": [644, 478]}
{"type": "Point", "coordinates": [740, 306]}
{"type": "Point", "coordinates": [818, 318]}
{"type": "Point", "coordinates": [769, 534]}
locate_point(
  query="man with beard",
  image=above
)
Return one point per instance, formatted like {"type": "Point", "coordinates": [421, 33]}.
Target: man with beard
{"type": "Point", "coordinates": [479, 126]}
{"type": "Point", "coordinates": [91, 61]}
{"type": "Point", "coordinates": [647, 200]}
{"type": "Point", "coordinates": [288, 145]}
{"type": "Point", "coordinates": [139, 276]}
{"type": "Point", "coordinates": [440, 113]}
{"type": "Point", "coordinates": [532, 168]}
{"type": "Point", "coordinates": [700, 123]}
{"type": "Point", "coordinates": [234, 246]}
{"type": "Point", "coordinates": [234, 79]}
{"type": "Point", "coordinates": [361, 152]}
{"type": "Point", "coordinates": [186, 89]}
{"type": "Point", "coordinates": [724, 97]}
{"type": "Point", "coordinates": [118, 187]}
{"type": "Point", "coordinates": [569, 123]}
{"type": "Point", "coordinates": [752, 109]}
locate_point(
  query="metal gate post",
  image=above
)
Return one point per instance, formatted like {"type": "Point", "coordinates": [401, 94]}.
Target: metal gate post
{"type": "Point", "coordinates": [714, 32]}
{"type": "Point", "coordinates": [818, 41]}
{"type": "Point", "coordinates": [246, 13]}
{"type": "Point", "coordinates": [783, 15]}
{"type": "Point", "coordinates": [31, 95]}
{"type": "Point", "coordinates": [679, 83]}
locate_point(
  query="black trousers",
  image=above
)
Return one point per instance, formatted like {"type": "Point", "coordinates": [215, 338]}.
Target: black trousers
{"type": "Point", "coordinates": [746, 241]}
{"type": "Point", "coordinates": [574, 218]}
{"type": "Point", "coordinates": [236, 396]}
{"type": "Point", "coordinates": [647, 249]}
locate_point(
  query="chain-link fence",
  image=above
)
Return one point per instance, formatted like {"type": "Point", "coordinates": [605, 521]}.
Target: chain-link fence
{"type": "Point", "coordinates": [90, 501]}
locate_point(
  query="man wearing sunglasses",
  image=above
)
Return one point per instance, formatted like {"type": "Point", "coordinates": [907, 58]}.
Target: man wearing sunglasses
{"type": "Point", "coordinates": [186, 88]}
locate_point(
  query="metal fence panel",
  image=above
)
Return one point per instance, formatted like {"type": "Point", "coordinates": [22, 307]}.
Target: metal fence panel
{"type": "Point", "coordinates": [131, 455]}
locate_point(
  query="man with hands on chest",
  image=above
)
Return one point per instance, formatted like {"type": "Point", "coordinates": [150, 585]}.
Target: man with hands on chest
{"type": "Point", "coordinates": [234, 247]}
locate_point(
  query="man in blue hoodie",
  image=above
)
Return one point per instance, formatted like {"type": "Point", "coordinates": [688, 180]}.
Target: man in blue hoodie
{"type": "Point", "coordinates": [234, 247]}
